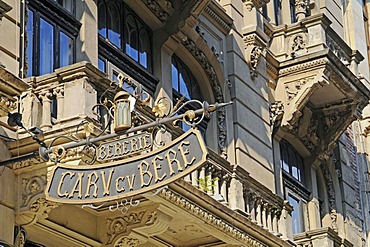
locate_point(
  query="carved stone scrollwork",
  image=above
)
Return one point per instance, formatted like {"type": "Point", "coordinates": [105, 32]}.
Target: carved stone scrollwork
{"type": "Point", "coordinates": [276, 112]}
{"type": "Point", "coordinates": [39, 209]}
{"type": "Point", "coordinates": [217, 91]}
{"type": "Point", "coordinates": [292, 88]}
{"type": "Point", "coordinates": [32, 187]}
{"type": "Point", "coordinates": [161, 9]}
{"type": "Point", "coordinates": [254, 3]}
{"type": "Point", "coordinates": [123, 224]}
{"type": "Point", "coordinates": [127, 242]}
{"type": "Point", "coordinates": [7, 105]}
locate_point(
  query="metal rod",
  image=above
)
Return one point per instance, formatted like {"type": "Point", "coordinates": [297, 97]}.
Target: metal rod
{"type": "Point", "coordinates": [44, 151]}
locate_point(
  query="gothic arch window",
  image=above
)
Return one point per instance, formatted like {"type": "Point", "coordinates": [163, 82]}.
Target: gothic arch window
{"type": "Point", "coordinates": [120, 26]}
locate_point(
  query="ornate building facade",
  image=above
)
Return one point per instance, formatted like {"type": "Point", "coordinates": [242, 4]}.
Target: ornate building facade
{"type": "Point", "coordinates": [287, 162]}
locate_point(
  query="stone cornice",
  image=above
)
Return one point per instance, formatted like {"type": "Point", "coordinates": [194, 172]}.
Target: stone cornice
{"type": "Point", "coordinates": [215, 12]}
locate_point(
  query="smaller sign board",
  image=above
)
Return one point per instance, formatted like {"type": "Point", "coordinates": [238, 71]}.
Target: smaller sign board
{"type": "Point", "coordinates": [124, 147]}
{"type": "Point", "coordinates": [130, 176]}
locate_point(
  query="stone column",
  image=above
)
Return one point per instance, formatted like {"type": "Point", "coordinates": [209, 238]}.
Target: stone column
{"type": "Point", "coordinates": [285, 222]}
{"type": "Point", "coordinates": [313, 205]}
{"type": "Point", "coordinates": [259, 211]}
{"type": "Point", "coordinates": [59, 93]}
{"type": "Point", "coordinates": [301, 7]}
{"type": "Point", "coordinates": [46, 110]}
{"type": "Point", "coordinates": [223, 189]}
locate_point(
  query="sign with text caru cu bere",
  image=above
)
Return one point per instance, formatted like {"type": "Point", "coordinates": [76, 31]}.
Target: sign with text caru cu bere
{"type": "Point", "coordinates": [130, 176]}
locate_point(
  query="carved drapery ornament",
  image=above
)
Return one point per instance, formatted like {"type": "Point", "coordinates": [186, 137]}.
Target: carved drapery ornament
{"type": "Point", "coordinates": [253, 57]}
{"type": "Point", "coordinates": [7, 105]}
{"type": "Point", "coordinates": [217, 91]}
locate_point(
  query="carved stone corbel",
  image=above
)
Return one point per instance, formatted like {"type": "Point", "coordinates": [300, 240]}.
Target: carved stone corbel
{"type": "Point", "coordinates": [276, 112]}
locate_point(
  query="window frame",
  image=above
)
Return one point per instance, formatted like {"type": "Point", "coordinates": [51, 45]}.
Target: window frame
{"type": "Point", "coordinates": [126, 12]}
{"type": "Point", "coordinates": [61, 20]}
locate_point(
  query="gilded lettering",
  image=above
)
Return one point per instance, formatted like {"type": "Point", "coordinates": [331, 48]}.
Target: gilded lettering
{"type": "Point", "coordinates": [122, 189]}
{"type": "Point", "coordinates": [143, 172]}
{"type": "Point", "coordinates": [125, 149]}
{"type": "Point", "coordinates": [157, 167]}
{"type": "Point", "coordinates": [78, 186]}
{"type": "Point", "coordinates": [131, 181]}
{"type": "Point", "coordinates": [91, 182]}
{"type": "Point", "coordinates": [184, 153]}
{"type": "Point", "coordinates": [61, 181]}
{"type": "Point", "coordinates": [110, 151]}
{"type": "Point", "coordinates": [134, 146]}
{"type": "Point", "coordinates": [102, 153]}
{"type": "Point", "coordinates": [106, 184]}
{"type": "Point", "coordinates": [173, 160]}
{"type": "Point", "coordinates": [147, 141]}
{"type": "Point", "coordinates": [117, 149]}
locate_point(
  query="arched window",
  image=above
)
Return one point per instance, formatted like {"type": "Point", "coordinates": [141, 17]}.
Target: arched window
{"type": "Point", "coordinates": [183, 81]}
{"type": "Point", "coordinates": [185, 84]}
{"type": "Point", "coordinates": [119, 25]}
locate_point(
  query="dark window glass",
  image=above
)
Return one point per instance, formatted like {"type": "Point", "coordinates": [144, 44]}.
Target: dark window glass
{"type": "Point", "coordinates": [293, 18]}
{"type": "Point", "coordinates": [54, 107]}
{"type": "Point", "coordinates": [46, 47]}
{"type": "Point", "coordinates": [65, 50]}
{"type": "Point", "coordinates": [102, 65]}
{"type": "Point", "coordinates": [296, 219]}
{"type": "Point", "coordinates": [277, 10]}
{"type": "Point", "coordinates": [67, 4]}
{"type": "Point", "coordinates": [29, 50]}
{"type": "Point", "coordinates": [50, 44]}
{"type": "Point", "coordinates": [291, 160]}
{"type": "Point", "coordinates": [120, 25]}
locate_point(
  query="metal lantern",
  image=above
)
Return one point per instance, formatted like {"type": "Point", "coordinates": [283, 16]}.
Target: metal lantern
{"type": "Point", "coordinates": [122, 112]}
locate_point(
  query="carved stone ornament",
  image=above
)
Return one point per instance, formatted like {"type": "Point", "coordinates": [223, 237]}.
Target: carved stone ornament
{"type": "Point", "coordinates": [292, 88]}
{"type": "Point", "coordinates": [210, 219]}
{"type": "Point", "coordinates": [298, 43]}
{"type": "Point", "coordinates": [42, 207]}
{"type": "Point", "coordinates": [305, 244]}
{"type": "Point", "coordinates": [253, 57]}
{"type": "Point", "coordinates": [127, 242]}
{"type": "Point", "coordinates": [217, 91]}
{"type": "Point", "coordinates": [32, 187]}
{"type": "Point", "coordinates": [254, 3]}
{"type": "Point", "coordinates": [329, 185]}
{"type": "Point", "coordinates": [301, 7]}
{"type": "Point", "coordinates": [124, 224]}
{"type": "Point", "coordinates": [7, 105]}
{"type": "Point", "coordinates": [161, 9]}
{"type": "Point", "coordinates": [276, 111]}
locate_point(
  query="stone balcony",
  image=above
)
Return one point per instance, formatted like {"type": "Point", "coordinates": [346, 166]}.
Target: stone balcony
{"type": "Point", "coordinates": [317, 84]}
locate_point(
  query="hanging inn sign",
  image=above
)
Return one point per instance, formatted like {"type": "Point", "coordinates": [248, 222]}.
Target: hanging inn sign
{"type": "Point", "coordinates": [128, 162]}
{"type": "Point", "coordinates": [129, 176]}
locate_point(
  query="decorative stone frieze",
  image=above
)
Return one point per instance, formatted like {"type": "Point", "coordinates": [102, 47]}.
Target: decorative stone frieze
{"type": "Point", "coordinates": [210, 218]}
{"type": "Point", "coordinates": [292, 88]}
{"type": "Point", "coordinates": [298, 43]}
{"type": "Point", "coordinates": [7, 105]}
